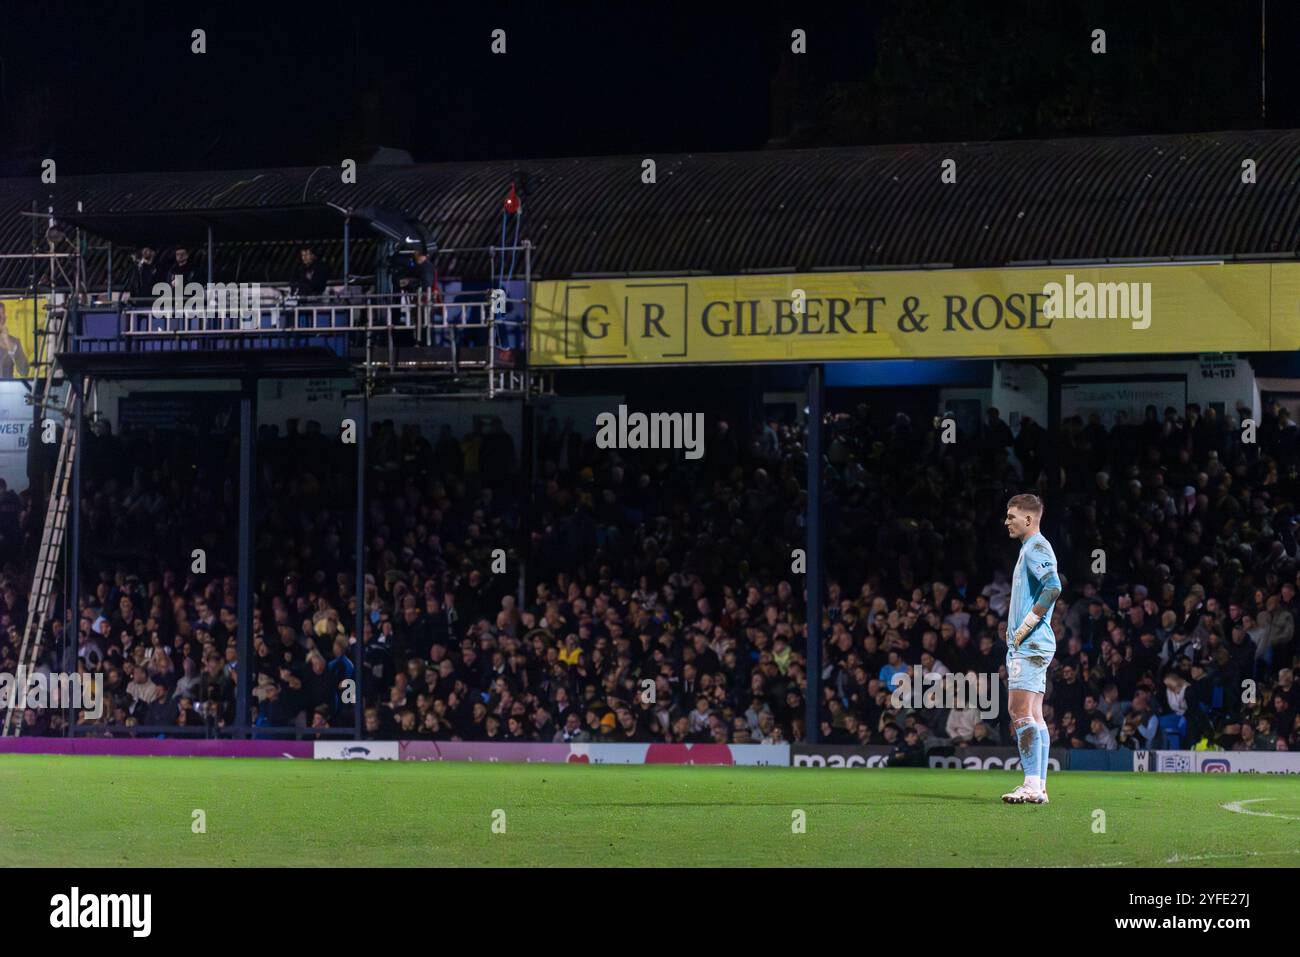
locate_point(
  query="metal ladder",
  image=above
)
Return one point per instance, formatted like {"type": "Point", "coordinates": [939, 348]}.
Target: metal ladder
{"type": "Point", "coordinates": [56, 518]}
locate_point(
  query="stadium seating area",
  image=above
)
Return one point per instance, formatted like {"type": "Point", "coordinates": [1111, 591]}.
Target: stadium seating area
{"type": "Point", "coordinates": [644, 566]}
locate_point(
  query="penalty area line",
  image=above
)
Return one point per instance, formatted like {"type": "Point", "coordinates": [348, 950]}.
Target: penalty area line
{"type": "Point", "coordinates": [1239, 807]}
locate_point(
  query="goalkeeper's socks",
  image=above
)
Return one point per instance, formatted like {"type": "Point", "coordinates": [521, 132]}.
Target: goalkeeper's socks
{"type": "Point", "coordinates": [1044, 751]}
{"type": "Point", "coordinates": [1027, 743]}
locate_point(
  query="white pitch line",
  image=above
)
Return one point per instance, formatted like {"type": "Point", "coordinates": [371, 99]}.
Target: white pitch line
{"type": "Point", "coordinates": [1239, 807]}
{"type": "Point", "coordinates": [1180, 859]}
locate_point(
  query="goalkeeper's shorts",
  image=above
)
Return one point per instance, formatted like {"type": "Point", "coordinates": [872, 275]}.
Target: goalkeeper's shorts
{"type": "Point", "coordinates": [1027, 672]}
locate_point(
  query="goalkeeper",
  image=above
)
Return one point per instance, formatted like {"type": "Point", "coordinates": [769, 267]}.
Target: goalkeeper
{"type": "Point", "coordinates": [1030, 644]}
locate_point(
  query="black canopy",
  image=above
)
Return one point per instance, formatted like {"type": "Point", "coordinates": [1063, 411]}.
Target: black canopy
{"type": "Point", "coordinates": [301, 222]}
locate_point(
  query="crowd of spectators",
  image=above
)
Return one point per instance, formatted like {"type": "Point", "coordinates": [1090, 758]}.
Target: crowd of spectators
{"type": "Point", "coordinates": [146, 270]}
{"type": "Point", "coordinates": [663, 602]}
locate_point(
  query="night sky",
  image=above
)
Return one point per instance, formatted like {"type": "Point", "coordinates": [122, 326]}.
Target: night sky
{"type": "Point", "coordinates": [114, 87]}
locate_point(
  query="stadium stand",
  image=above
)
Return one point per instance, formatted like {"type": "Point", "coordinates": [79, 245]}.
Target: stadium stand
{"type": "Point", "coordinates": [675, 575]}
{"type": "Point", "coordinates": [680, 574]}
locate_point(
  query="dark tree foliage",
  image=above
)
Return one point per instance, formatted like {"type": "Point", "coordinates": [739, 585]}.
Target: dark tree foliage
{"type": "Point", "coordinates": [949, 70]}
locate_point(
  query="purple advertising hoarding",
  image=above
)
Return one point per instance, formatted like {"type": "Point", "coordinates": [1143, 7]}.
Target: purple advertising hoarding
{"type": "Point", "coordinates": [597, 753]}
{"type": "Point", "coordinates": [504, 752]}
{"type": "Point", "coordinates": [511, 751]}
{"type": "Point", "coordinates": [158, 747]}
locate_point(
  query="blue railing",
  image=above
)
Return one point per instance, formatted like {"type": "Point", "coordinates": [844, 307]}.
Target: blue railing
{"type": "Point", "coordinates": [464, 318]}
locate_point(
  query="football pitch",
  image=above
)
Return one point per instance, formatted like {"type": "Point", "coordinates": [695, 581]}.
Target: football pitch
{"type": "Point", "coordinates": [64, 811]}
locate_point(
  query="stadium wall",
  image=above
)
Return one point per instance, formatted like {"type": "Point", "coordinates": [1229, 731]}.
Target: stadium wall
{"type": "Point", "coordinates": [735, 755]}
{"type": "Point", "coordinates": [1021, 389]}
{"type": "Point", "coordinates": [777, 755]}
{"type": "Point", "coordinates": [158, 747]}
{"type": "Point", "coordinates": [879, 756]}
{"type": "Point", "coordinates": [1217, 762]}
{"type": "Point", "coordinates": [280, 400]}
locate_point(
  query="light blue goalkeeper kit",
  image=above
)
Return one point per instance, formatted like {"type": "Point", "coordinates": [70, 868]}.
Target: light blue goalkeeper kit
{"type": "Point", "coordinates": [1035, 572]}
{"type": "Point", "coordinates": [1027, 664]}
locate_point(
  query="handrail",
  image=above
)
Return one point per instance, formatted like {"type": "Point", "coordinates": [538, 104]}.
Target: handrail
{"type": "Point", "coordinates": [302, 318]}
{"type": "Point", "coordinates": [480, 332]}
{"type": "Point", "coordinates": [465, 323]}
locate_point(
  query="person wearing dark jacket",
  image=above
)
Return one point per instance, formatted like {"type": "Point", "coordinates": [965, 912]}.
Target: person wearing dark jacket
{"type": "Point", "coordinates": [311, 276]}
{"type": "Point", "coordinates": [1242, 651]}
{"type": "Point", "coordinates": [319, 684]}
{"type": "Point", "coordinates": [497, 456]}
{"type": "Point", "coordinates": [145, 273]}
{"type": "Point", "coordinates": [183, 268]}
{"type": "Point", "coordinates": [909, 753]}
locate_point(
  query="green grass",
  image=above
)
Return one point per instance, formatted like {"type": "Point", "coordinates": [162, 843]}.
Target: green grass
{"type": "Point", "coordinates": [110, 811]}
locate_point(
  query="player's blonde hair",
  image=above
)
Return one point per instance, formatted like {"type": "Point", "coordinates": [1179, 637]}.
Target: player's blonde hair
{"type": "Point", "coordinates": [1027, 502]}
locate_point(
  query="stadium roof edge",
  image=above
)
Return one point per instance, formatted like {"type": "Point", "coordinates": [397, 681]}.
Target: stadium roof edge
{"type": "Point", "coordinates": [1169, 196]}
{"type": "Point", "coordinates": [281, 223]}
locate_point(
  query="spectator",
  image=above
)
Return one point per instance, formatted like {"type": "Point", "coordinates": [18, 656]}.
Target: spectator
{"type": "Point", "coordinates": [1100, 736]}
{"type": "Point", "coordinates": [183, 269]}
{"type": "Point", "coordinates": [645, 567]}
{"type": "Point", "coordinates": [144, 274]}
{"type": "Point", "coordinates": [311, 276]}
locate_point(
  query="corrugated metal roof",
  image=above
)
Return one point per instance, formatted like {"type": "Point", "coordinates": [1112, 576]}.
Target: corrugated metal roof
{"type": "Point", "coordinates": [1147, 196]}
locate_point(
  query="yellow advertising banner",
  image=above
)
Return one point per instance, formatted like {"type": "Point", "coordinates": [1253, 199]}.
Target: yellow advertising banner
{"type": "Point", "coordinates": [18, 319]}
{"type": "Point", "coordinates": [947, 313]}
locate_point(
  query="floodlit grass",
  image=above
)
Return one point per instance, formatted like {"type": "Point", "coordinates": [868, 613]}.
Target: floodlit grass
{"type": "Point", "coordinates": [62, 811]}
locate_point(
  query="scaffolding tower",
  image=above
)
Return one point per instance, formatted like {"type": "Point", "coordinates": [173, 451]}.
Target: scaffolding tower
{"type": "Point", "coordinates": [388, 340]}
{"type": "Point", "coordinates": [55, 291]}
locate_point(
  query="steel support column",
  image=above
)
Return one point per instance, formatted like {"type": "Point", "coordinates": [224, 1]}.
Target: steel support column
{"type": "Point", "coordinates": [526, 473]}
{"type": "Point", "coordinates": [347, 255]}
{"type": "Point", "coordinates": [813, 578]}
{"type": "Point", "coordinates": [1052, 494]}
{"type": "Point", "coordinates": [247, 490]}
{"type": "Point", "coordinates": [72, 632]}
{"type": "Point", "coordinates": [363, 409]}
